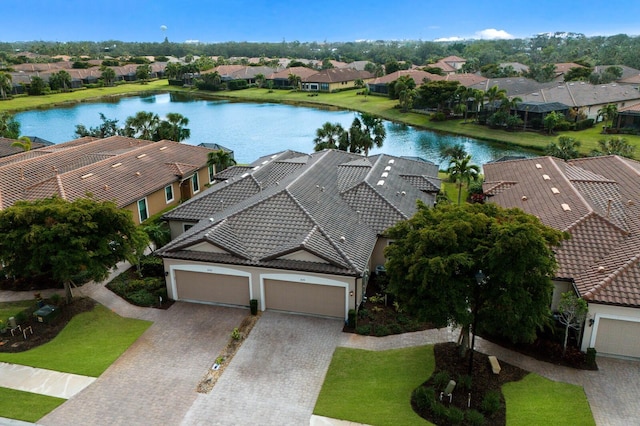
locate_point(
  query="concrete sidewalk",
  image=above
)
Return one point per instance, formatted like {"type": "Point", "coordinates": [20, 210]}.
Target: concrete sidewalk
{"type": "Point", "coordinates": [41, 381]}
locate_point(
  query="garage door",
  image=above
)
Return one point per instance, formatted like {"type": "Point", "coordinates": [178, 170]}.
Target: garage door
{"type": "Point", "coordinates": [618, 337]}
{"type": "Point", "coordinates": [214, 288]}
{"type": "Point", "coordinates": [312, 299]}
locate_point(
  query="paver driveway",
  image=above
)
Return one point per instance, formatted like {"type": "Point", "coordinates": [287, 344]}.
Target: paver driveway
{"type": "Point", "coordinates": [154, 381]}
{"type": "Point", "coordinates": [275, 377]}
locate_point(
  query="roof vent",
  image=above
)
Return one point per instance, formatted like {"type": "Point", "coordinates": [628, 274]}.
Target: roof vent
{"type": "Point", "coordinates": [384, 175]}
{"type": "Point", "coordinates": [546, 177]}
{"type": "Point", "coordinates": [631, 203]}
{"type": "Point", "coordinates": [210, 219]}
{"type": "Point", "coordinates": [163, 148]}
{"type": "Point", "coordinates": [106, 187]}
{"type": "Point", "coordinates": [86, 176]}
{"type": "Point", "coordinates": [538, 166]}
{"type": "Point", "coordinates": [137, 173]}
{"type": "Point", "coordinates": [566, 207]}
{"type": "Point", "coordinates": [555, 190]}
{"type": "Point", "coordinates": [343, 239]}
{"type": "Point", "coordinates": [116, 165]}
{"type": "Point", "coordinates": [601, 269]}
{"type": "Point", "coordinates": [392, 161]}
{"type": "Point", "coordinates": [244, 175]}
{"type": "Point", "coordinates": [403, 193]}
{"type": "Point", "coordinates": [141, 156]}
{"type": "Point", "coordinates": [380, 182]}
{"type": "Point", "coordinates": [524, 198]}
{"type": "Point", "coordinates": [386, 169]}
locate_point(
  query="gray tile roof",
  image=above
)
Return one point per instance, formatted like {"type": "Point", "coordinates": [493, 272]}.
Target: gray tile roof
{"type": "Point", "coordinates": [331, 204]}
{"type": "Point", "coordinates": [603, 195]}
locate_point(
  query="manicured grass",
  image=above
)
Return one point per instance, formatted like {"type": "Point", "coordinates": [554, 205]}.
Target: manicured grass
{"type": "Point", "coordinates": [11, 309]}
{"type": "Point", "coordinates": [375, 387]}
{"type": "Point", "coordinates": [26, 406]}
{"type": "Point", "coordinates": [536, 400]}
{"type": "Point", "coordinates": [89, 344]}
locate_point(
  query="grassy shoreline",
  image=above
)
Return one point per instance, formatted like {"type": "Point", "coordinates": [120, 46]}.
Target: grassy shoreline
{"type": "Point", "coordinates": [347, 100]}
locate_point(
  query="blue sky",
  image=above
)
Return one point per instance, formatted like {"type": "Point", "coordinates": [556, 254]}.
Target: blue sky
{"type": "Point", "coordinates": [213, 21]}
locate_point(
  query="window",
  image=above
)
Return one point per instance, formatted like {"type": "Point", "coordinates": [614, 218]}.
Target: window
{"type": "Point", "coordinates": [143, 213]}
{"type": "Point", "coordinates": [324, 86]}
{"type": "Point", "coordinates": [194, 183]}
{"type": "Point", "coordinates": [212, 172]}
{"type": "Point", "coordinates": [168, 193]}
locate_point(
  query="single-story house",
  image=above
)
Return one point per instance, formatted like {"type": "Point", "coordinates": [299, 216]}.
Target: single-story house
{"type": "Point", "coordinates": [450, 64]}
{"type": "Point", "coordinates": [381, 84]}
{"type": "Point", "coordinates": [143, 177]}
{"type": "Point", "coordinates": [515, 86]}
{"type": "Point", "coordinates": [597, 201]}
{"type": "Point", "coordinates": [333, 79]}
{"type": "Point", "coordinates": [280, 79]}
{"type": "Point", "coordinates": [296, 232]}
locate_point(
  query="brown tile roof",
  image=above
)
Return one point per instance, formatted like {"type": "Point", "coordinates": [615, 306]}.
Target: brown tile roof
{"type": "Point", "coordinates": [6, 149]}
{"type": "Point", "coordinates": [417, 75]}
{"type": "Point", "coordinates": [302, 72]}
{"type": "Point", "coordinates": [603, 195]}
{"type": "Point", "coordinates": [337, 75]}
{"type": "Point", "coordinates": [563, 67]}
{"type": "Point", "coordinates": [466, 79]}
{"type": "Point", "coordinates": [115, 168]}
{"type": "Point", "coordinates": [332, 204]}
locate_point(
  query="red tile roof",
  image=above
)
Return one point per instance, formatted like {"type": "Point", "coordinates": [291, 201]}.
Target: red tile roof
{"type": "Point", "coordinates": [596, 200]}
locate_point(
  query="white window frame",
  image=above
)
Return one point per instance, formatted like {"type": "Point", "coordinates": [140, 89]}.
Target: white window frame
{"type": "Point", "coordinates": [212, 172]}
{"type": "Point", "coordinates": [195, 181]}
{"type": "Point", "coordinates": [146, 209]}
{"type": "Point", "coordinates": [168, 200]}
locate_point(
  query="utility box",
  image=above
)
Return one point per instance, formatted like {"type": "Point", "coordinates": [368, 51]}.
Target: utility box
{"type": "Point", "coordinates": [46, 314]}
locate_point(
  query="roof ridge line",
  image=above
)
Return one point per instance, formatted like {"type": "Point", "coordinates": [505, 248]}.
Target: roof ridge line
{"type": "Point", "coordinates": [604, 283]}
{"type": "Point", "coordinates": [596, 214]}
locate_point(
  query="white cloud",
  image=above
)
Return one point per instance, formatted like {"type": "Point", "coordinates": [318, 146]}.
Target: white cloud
{"type": "Point", "coordinates": [493, 34]}
{"type": "Point", "coordinates": [454, 38]}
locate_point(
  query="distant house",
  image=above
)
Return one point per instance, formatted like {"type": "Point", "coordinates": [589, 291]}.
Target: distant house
{"type": "Point", "coordinates": [217, 147]}
{"type": "Point", "coordinates": [533, 113]}
{"type": "Point", "coordinates": [280, 79]}
{"type": "Point", "coordinates": [597, 201]}
{"type": "Point", "coordinates": [333, 79]}
{"type": "Point", "coordinates": [297, 232]}
{"type": "Point", "coordinates": [515, 86]}
{"type": "Point", "coordinates": [450, 64]}
{"type": "Point", "coordinates": [628, 117]}
{"type": "Point", "coordinates": [381, 84]}
{"type": "Point", "coordinates": [6, 149]}
{"type": "Point", "coordinates": [141, 176]}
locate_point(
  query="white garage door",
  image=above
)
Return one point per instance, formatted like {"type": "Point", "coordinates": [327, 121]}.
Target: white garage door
{"type": "Point", "coordinates": [214, 288]}
{"type": "Point", "coordinates": [618, 337]}
{"type": "Point", "coordinates": [315, 299]}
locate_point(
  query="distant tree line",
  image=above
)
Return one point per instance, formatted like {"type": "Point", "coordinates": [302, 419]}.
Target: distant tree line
{"type": "Point", "coordinates": [538, 49]}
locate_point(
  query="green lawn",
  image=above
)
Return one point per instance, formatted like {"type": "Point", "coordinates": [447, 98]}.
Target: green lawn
{"type": "Point", "coordinates": [89, 344]}
{"type": "Point", "coordinates": [11, 309]}
{"type": "Point", "coordinates": [26, 406]}
{"type": "Point", "coordinates": [536, 400]}
{"type": "Point", "coordinates": [374, 387]}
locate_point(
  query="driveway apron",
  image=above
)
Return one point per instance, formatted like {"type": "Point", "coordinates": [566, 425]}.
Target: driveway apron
{"type": "Point", "coordinates": [154, 381]}
{"type": "Point", "coordinates": [275, 377]}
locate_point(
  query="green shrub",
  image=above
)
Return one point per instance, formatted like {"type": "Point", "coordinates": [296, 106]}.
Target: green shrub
{"type": "Point", "coordinates": [438, 116]}
{"type": "Point", "coordinates": [464, 381]}
{"type": "Point", "coordinates": [591, 357]}
{"type": "Point", "coordinates": [55, 299]}
{"type": "Point", "coordinates": [21, 317]}
{"type": "Point", "coordinates": [253, 306]}
{"type": "Point", "coordinates": [455, 415]}
{"type": "Point", "coordinates": [491, 402]}
{"type": "Point", "coordinates": [363, 313]}
{"type": "Point", "coordinates": [365, 330]}
{"type": "Point", "coordinates": [403, 319]}
{"type": "Point", "coordinates": [237, 84]}
{"type": "Point", "coordinates": [142, 298]}
{"type": "Point", "coordinates": [381, 330]}
{"type": "Point", "coordinates": [440, 412]}
{"type": "Point", "coordinates": [475, 418]}
{"type": "Point", "coordinates": [151, 266]}
{"type": "Point", "coordinates": [351, 318]}
{"type": "Point", "coordinates": [235, 334]}
{"type": "Point", "coordinates": [395, 328]}
{"type": "Point", "coordinates": [441, 379]}
{"type": "Point", "coordinates": [424, 398]}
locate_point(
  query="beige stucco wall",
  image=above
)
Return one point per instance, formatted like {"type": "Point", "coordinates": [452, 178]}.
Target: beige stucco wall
{"type": "Point", "coordinates": [377, 257]}
{"type": "Point", "coordinates": [559, 287]}
{"type": "Point", "coordinates": [258, 275]}
{"type": "Point", "coordinates": [598, 311]}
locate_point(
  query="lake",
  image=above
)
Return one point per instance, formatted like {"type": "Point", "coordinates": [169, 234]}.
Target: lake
{"type": "Point", "coordinates": [251, 130]}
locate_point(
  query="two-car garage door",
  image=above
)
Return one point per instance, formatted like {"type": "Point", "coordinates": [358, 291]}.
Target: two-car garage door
{"type": "Point", "coordinates": [213, 288]}
{"type": "Point", "coordinates": [323, 297]}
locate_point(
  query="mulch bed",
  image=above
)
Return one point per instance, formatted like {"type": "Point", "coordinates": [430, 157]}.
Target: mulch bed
{"type": "Point", "coordinates": [448, 359]}
{"type": "Point", "coordinates": [43, 332]}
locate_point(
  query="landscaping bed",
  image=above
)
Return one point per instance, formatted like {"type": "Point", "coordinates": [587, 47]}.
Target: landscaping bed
{"type": "Point", "coordinates": [42, 332]}
{"type": "Point", "coordinates": [143, 284]}
{"type": "Point", "coordinates": [483, 386]}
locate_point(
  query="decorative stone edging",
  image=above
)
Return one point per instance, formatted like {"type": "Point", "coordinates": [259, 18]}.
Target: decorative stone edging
{"type": "Point", "coordinates": [226, 355]}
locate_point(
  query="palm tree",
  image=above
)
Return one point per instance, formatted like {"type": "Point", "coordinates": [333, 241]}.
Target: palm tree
{"type": "Point", "coordinates": [509, 104]}
{"type": "Point", "coordinates": [108, 76]}
{"type": "Point", "coordinates": [143, 125]}
{"type": "Point", "coordinates": [608, 112]}
{"type": "Point", "coordinates": [566, 148]}
{"type": "Point", "coordinates": [220, 160]}
{"type": "Point", "coordinates": [5, 84]}
{"type": "Point", "coordinates": [614, 146]}
{"type": "Point", "coordinates": [173, 128]}
{"type": "Point", "coordinates": [294, 81]}
{"type": "Point", "coordinates": [478, 98]}
{"type": "Point", "coordinates": [495, 94]}
{"type": "Point", "coordinates": [23, 143]}
{"type": "Point", "coordinates": [260, 79]}
{"type": "Point", "coordinates": [374, 132]}
{"type": "Point", "coordinates": [328, 136]}
{"type": "Point", "coordinates": [460, 170]}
